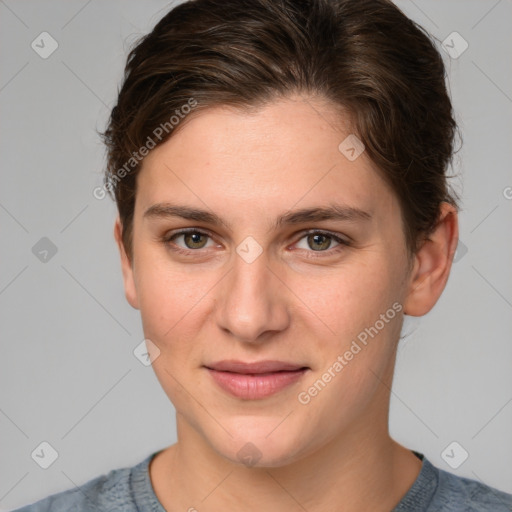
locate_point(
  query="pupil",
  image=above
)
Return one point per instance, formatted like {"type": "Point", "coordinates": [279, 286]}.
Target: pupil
{"type": "Point", "coordinates": [194, 240]}
{"type": "Point", "coordinates": [317, 239]}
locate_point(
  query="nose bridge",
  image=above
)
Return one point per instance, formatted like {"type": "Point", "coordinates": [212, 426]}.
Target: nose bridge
{"type": "Point", "coordinates": [251, 302]}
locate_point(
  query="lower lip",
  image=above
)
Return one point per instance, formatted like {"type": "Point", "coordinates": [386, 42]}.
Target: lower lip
{"type": "Point", "coordinates": [253, 387]}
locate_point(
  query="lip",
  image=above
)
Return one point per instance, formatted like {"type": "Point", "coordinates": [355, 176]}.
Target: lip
{"type": "Point", "coordinates": [257, 367]}
{"type": "Point", "coordinates": [253, 381]}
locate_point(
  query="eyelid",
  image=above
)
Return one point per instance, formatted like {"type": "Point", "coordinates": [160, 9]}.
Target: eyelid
{"type": "Point", "coordinates": [167, 238]}
{"type": "Point", "coordinates": [342, 240]}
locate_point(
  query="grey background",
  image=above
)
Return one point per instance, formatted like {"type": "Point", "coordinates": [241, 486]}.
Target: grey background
{"type": "Point", "coordinates": [68, 373]}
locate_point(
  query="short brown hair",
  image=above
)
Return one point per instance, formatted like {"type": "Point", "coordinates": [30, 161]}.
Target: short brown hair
{"type": "Point", "coordinates": [365, 56]}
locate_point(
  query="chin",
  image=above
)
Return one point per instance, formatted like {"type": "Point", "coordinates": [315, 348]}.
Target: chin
{"type": "Point", "coordinates": [255, 448]}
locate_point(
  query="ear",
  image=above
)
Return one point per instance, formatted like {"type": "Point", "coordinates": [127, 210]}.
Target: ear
{"type": "Point", "coordinates": [130, 289]}
{"type": "Point", "coordinates": [433, 263]}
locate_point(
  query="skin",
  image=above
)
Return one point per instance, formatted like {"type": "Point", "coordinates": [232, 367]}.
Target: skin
{"type": "Point", "coordinates": [335, 452]}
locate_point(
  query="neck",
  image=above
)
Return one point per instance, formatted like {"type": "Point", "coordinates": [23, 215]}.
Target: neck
{"type": "Point", "coordinates": [363, 469]}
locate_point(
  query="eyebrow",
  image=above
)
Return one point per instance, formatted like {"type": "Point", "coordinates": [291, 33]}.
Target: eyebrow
{"type": "Point", "coordinates": [312, 214]}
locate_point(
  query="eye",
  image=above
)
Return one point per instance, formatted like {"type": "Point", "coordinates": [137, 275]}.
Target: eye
{"type": "Point", "coordinates": [192, 239]}
{"type": "Point", "coordinates": [314, 241]}
{"type": "Point", "coordinates": [321, 241]}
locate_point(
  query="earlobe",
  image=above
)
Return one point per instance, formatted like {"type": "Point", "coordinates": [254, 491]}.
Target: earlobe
{"type": "Point", "coordinates": [432, 264]}
{"type": "Point", "coordinates": [130, 289]}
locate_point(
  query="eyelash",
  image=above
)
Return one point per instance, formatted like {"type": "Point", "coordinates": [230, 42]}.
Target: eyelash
{"type": "Point", "coordinates": [167, 240]}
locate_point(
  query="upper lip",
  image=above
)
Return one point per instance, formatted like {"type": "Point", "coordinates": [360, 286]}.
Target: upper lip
{"type": "Point", "coordinates": [256, 367]}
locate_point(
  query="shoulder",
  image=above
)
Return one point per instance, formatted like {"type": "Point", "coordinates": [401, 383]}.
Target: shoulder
{"type": "Point", "coordinates": [110, 491]}
{"type": "Point", "coordinates": [456, 493]}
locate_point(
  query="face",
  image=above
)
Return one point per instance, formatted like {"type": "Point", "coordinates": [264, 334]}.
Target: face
{"type": "Point", "coordinates": [268, 272]}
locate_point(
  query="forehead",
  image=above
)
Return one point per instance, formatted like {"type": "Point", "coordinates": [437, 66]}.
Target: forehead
{"type": "Point", "coordinates": [284, 155]}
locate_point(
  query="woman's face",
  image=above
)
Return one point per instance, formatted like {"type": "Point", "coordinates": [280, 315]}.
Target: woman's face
{"type": "Point", "coordinates": [253, 282]}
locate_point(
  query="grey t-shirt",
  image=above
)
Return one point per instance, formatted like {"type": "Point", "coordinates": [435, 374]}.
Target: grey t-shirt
{"type": "Point", "coordinates": [130, 490]}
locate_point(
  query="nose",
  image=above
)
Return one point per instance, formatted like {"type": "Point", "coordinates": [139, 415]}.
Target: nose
{"type": "Point", "coordinates": [251, 303]}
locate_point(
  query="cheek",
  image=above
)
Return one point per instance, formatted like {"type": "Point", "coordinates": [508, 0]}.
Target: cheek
{"type": "Point", "coordinates": [171, 301]}
{"type": "Point", "coordinates": [345, 300]}
{"type": "Point", "coordinates": [173, 308]}
{"type": "Point", "coordinates": [354, 363]}
{"type": "Point", "coordinates": [356, 315]}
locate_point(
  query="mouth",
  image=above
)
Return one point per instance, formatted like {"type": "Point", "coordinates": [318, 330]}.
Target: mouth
{"type": "Point", "coordinates": [253, 381]}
